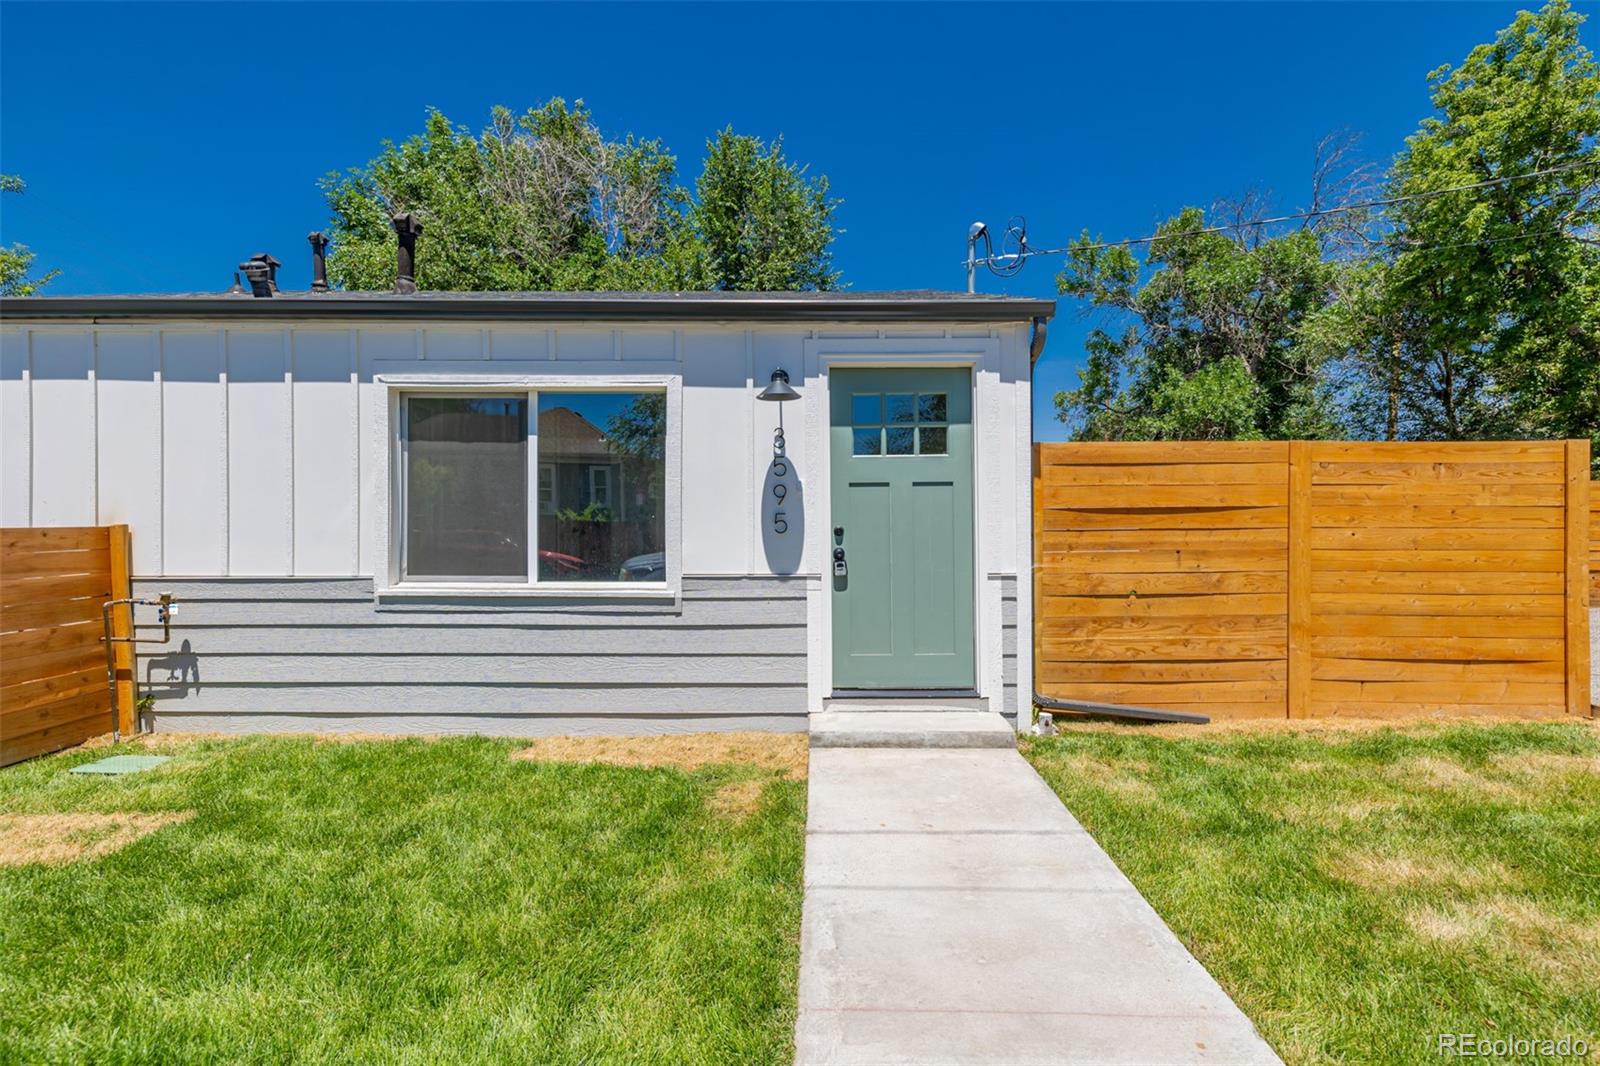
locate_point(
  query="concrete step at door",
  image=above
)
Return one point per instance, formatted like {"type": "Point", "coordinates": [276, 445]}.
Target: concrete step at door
{"type": "Point", "coordinates": [910, 729]}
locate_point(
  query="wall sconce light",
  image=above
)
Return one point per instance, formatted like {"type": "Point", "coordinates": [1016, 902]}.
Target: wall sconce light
{"type": "Point", "coordinates": [779, 391]}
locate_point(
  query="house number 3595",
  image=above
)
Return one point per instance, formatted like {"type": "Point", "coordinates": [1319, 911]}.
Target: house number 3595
{"type": "Point", "coordinates": [780, 488]}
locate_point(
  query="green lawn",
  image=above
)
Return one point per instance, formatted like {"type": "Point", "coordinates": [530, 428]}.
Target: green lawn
{"type": "Point", "coordinates": [406, 901]}
{"type": "Point", "coordinates": [1359, 893]}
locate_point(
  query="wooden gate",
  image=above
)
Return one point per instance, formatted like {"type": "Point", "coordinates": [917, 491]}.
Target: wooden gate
{"type": "Point", "coordinates": [1297, 578]}
{"type": "Point", "coordinates": [54, 583]}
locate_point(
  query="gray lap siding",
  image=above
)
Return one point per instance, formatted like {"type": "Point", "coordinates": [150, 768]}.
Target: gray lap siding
{"type": "Point", "coordinates": [275, 654]}
{"type": "Point", "coordinates": [1009, 699]}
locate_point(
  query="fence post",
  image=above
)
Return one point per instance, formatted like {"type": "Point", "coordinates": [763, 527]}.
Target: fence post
{"type": "Point", "coordinates": [1577, 571]}
{"type": "Point", "coordinates": [1298, 701]}
{"type": "Point", "coordinates": [1036, 587]}
{"type": "Point", "coordinates": [122, 626]}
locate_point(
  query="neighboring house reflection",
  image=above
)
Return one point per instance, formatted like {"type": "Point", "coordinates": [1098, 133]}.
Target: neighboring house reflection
{"type": "Point", "coordinates": [577, 467]}
{"type": "Point", "coordinates": [600, 492]}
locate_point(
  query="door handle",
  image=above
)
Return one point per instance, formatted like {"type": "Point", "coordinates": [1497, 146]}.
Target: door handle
{"type": "Point", "coordinates": [838, 563]}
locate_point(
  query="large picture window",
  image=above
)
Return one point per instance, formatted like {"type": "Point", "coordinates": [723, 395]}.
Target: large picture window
{"type": "Point", "coordinates": [591, 467]}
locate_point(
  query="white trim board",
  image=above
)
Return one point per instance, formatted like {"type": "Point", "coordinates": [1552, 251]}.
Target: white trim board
{"type": "Point", "coordinates": [822, 354]}
{"type": "Point", "coordinates": [466, 377]}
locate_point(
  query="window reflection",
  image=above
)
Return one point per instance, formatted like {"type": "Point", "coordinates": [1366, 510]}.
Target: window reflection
{"type": "Point", "coordinates": [603, 517]}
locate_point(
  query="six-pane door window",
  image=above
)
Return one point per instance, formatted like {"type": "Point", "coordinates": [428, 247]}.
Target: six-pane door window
{"type": "Point", "coordinates": [899, 423]}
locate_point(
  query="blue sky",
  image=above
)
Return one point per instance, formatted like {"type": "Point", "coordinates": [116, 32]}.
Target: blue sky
{"type": "Point", "coordinates": [164, 144]}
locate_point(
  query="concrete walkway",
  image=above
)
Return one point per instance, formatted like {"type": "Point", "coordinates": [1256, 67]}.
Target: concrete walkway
{"type": "Point", "coordinates": [956, 913]}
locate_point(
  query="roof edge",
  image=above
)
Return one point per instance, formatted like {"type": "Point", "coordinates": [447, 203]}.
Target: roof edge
{"type": "Point", "coordinates": [719, 307]}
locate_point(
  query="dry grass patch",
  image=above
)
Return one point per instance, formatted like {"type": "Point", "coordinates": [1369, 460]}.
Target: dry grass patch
{"type": "Point", "coordinates": [1122, 777]}
{"type": "Point", "coordinates": [1334, 814]}
{"type": "Point", "coordinates": [55, 839]}
{"type": "Point", "coordinates": [737, 800]}
{"type": "Point", "coordinates": [1389, 870]}
{"type": "Point", "coordinates": [784, 753]}
{"type": "Point", "coordinates": [1565, 949]}
{"type": "Point", "coordinates": [1540, 764]}
{"type": "Point", "coordinates": [1433, 772]}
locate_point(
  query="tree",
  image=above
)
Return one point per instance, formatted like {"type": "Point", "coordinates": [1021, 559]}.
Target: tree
{"type": "Point", "coordinates": [765, 225]}
{"type": "Point", "coordinates": [1467, 307]}
{"type": "Point", "coordinates": [17, 259]}
{"type": "Point", "coordinates": [1501, 283]}
{"type": "Point", "coordinates": [1208, 345]}
{"type": "Point", "coordinates": [544, 201]}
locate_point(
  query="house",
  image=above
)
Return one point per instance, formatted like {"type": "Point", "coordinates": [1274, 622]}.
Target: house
{"type": "Point", "coordinates": [531, 513]}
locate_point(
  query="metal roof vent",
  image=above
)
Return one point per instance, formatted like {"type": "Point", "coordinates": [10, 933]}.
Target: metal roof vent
{"type": "Point", "coordinates": [262, 271]}
{"type": "Point", "coordinates": [319, 261]}
{"type": "Point", "coordinates": [407, 228]}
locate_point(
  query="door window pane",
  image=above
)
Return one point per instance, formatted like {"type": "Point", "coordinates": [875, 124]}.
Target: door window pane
{"type": "Point", "coordinates": [607, 455]}
{"type": "Point", "coordinates": [931, 440]}
{"type": "Point", "coordinates": [466, 480]}
{"type": "Point", "coordinates": [900, 441]}
{"type": "Point", "coordinates": [867, 442]}
{"type": "Point", "coordinates": [931, 407]}
{"type": "Point", "coordinates": [866, 409]}
{"type": "Point", "coordinates": [900, 409]}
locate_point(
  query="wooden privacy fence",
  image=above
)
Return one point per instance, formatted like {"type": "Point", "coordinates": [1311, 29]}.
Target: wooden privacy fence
{"type": "Point", "coordinates": [1296, 578]}
{"type": "Point", "coordinates": [1594, 544]}
{"type": "Point", "coordinates": [53, 585]}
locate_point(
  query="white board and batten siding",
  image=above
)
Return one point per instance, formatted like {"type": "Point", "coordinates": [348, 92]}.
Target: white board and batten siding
{"type": "Point", "coordinates": [250, 462]}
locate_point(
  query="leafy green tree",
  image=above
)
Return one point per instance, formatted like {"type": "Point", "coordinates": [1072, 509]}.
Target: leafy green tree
{"type": "Point", "coordinates": [544, 201]}
{"type": "Point", "coordinates": [1373, 344]}
{"type": "Point", "coordinates": [1501, 284]}
{"type": "Point", "coordinates": [538, 201]}
{"type": "Point", "coordinates": [17, 259]}
{"type": "Point", "coordinates": [1467, 308]}
{"type": "Point", "coordinates": [765, 225]}
{"type": "Point", "coordinates": [1207, 330]}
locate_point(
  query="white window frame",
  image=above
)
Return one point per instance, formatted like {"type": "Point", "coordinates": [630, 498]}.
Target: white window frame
{"type": "Point", "coordinates": [399, 384]}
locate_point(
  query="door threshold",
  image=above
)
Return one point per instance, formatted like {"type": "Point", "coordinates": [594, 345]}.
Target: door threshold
{"type": "Point", "coordinates": [904, 694]}
{"type": "Point", "coordinates": [920, 700]}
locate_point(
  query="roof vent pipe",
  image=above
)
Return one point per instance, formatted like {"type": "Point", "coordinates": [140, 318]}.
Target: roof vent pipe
{"type": "Point", "coordinates": [407, 227]}
{"type": "Point", "coordinates": [262, 271]}
{"type": "Point", "coordinates": [319, 261]}
{"type": "Point", "coordinates": [272, 269]}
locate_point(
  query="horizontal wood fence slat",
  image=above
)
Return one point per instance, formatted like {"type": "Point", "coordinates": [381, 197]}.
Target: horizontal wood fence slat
{"type": "Point", "coordinates": [1306, 578]}
{"type": "Point", "coordinates": [53, 585]}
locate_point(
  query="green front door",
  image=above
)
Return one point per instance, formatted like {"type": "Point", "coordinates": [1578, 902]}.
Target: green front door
{"type": "Point", "coordinates": [901, 448]}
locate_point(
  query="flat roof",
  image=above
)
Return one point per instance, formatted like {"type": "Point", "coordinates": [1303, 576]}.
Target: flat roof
{"type": "Point", "coordinates": [908, 306]}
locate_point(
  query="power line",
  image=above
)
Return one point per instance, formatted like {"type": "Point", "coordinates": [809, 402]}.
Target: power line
{"type": "Point", "coordinates": [1027, 253]}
